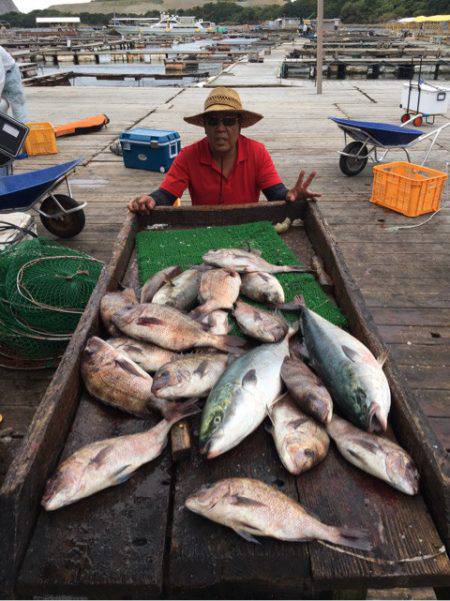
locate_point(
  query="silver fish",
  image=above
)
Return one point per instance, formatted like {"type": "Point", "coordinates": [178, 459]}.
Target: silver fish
{"type": "Point", "coordinates": [263, 288]}
{"type": "Point", "coordinates": [243, 261]}
{"type": "Point", "coordinates": [239, 401]}
{"type": "Point", "coordinates": [111, 303]}
{"type": "Point", "coordinates": [215, 322]}
{"type": "Point", "coordinates": [307, 390]}
{"type": "Point", "coordinates": [153, 284]}
{"type": "Point", "coordinates": [148, 356]}
{"type": "Point", "coordinates": [113, 378]}
{"type": "Point", "coordinates": [300, 441]}
{"type": "Point", "coordinates": [348, 369]}
{"type": "Point", "coordinates": [219, 289]}
{"type": "Point", "coordinates": [190, 376]}
{"type": "Point", "coordinates": [169, 328]}
{"type": "Point", "coordinates": [108, 462]}
{"type": "Point", "coordinates": [252, 508]}
{"type": "Point", "coordinates": [181, 292]}
{"type": "Point", "coordinates": [375, 455]}
{"type": "Point", "coordinates": [259, 324]}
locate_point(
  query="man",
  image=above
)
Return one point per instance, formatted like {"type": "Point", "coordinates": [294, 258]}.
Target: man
{"type": "Point", "coordinates": [225, 167]}
{"type": "Point", "coordinates": [11, 88]}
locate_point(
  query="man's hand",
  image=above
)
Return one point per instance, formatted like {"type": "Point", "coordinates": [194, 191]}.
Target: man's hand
{"type": "Point", "coordinates": [300, 190]}
{"type": "Point", "coordinates": [141, 204]}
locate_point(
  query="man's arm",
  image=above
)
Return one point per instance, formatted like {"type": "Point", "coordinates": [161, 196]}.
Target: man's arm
{"type": "Point", "coordinates": [276, 192]}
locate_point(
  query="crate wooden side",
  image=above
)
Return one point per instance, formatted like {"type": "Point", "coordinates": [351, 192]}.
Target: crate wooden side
{"type": "Point", "coordinates": [23, 485]}
{"type": "Point", "coordinates": [407, 418]}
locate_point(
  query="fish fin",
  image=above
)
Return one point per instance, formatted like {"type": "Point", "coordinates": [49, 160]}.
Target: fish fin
{"type": "Point", "coordinates": [254, 251]}
{"type": "Point", "coordinates": [174, 412]}
{"type": "Point", "coordinates": [230, 344]}
{"type": "Point", "coordinates": [241, 500]}
{"type": "Point", "coordinates": [201, 369]}
{"type": "Point", "coordinates": [168, 280]}
{"type": "Point", "coordinates": [120, 477]}
{"type": "Point", "coordinates": [131, 348]}
{"type": "Point", "coordinates": [382, 357]}
{"type": "Point", "coordinates": [370, 446]}
{"type": "Point", "coordinates": [298, 269]}
{"type": "Point", "coordinates": [377, 421]}
{"type": "Point", "coordinates": [264, 276]}
{"type": "Point", "coordinates": [129, 366]}
{"type": "Point", "coordinates": [250, 379]}
{"type": "Point", "coordinates": [248, 537]}
{"type": "Point", "coordinates": [296, 423]}
{"type": "Point", "coordinates": [350, 537]}
{"type": "Point", "coordinates": [269, 429]}
{"type": "Point", "coordinates": [149, 321]}
{"type": "Point", "coordinates": [350, 353]}
{"type": "Point", "coordinates": [101, 456]}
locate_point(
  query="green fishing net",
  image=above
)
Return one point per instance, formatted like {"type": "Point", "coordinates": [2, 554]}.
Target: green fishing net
{"type": "Point", "coordinates": [158, 249]}
{"type": "Point", "coordinates": [44, 288]}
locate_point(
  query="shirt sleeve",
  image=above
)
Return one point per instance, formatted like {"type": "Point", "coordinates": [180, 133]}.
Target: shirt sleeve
{"type": "Point", "coordinates": [177, 178]}
{"type": "Point", "coordinates": [267, 175]}
{"type": "Point", "coordinates": [2, 76]}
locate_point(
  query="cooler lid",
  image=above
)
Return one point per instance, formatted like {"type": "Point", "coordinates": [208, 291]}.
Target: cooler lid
{"type": "Point", "coordinates": [145, 134]}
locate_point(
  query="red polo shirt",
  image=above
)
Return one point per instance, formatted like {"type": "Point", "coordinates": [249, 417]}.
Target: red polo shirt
{"type": "Point", "coordinates": [194, 168]}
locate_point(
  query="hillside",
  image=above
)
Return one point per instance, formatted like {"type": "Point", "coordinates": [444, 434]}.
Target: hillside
{"type": "Point", "coordinates": [141, 7]}
{"type": "Point", "coordinates": [7, 6]}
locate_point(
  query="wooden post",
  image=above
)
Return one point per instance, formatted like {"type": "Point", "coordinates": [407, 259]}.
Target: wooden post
{"type": "Point", "coordinates": [319, 50]}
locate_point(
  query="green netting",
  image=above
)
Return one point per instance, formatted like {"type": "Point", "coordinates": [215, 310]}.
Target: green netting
{"type": "Point", "coordinates": [159, 249]}
{"type": "Point", "coordinates": [44, 288]}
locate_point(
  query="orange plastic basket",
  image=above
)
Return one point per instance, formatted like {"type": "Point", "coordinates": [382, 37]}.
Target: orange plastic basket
{"type": "Point", "coordinates": [41, 139]}
{"type": "Point", "coordinates": [407, 188]}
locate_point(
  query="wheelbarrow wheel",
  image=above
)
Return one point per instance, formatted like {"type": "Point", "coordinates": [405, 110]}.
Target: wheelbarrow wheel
{"type": "Point", "coordinates": [65, 226]}
{"type": "Point", "coordinates": [352, 165]}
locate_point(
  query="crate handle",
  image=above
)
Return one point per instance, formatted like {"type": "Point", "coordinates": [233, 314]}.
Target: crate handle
{"type": "Point", "coordinates": [173, 151]}
{"type": "Point", "coordinates": [441, 96]}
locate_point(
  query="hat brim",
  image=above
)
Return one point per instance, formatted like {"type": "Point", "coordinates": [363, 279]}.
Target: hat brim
{"type": "Point", "coordinates": [248, 118]}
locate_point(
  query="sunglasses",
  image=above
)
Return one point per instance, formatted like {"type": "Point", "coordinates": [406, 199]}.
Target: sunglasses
{"type": "Point", "coordinates": [213, 121]}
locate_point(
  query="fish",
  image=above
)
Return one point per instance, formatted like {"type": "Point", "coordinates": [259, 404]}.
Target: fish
{"type": "Point", "coordinates": [111, 303]}
{"type": "Point", "coordinates": [169, 328]}
{"type": "Point", "coordinates": [219, 289]}
{"type": "Point", "coordinates": [189, 376]}
{"type": "Point", "coordinates": [239, 401]}
{"type": "Point", "coordinates": [113, 378]}
{"type": "Point", "coordinates": [307, 390]}
{"type": "Point", "coordinates": [148, 356]}
{"type": "Point", "coordinates": [375, 455]}
{"type": "Point", "coordinates": [300, 441]}
{"type": "Point", "coordinates": [180, 292]}
{"type": "Point", "coordinates": [215, 322]}
{"type": "Point", "coordinates": [108, 462]}
{"type": "Point", "coordinates": [263, 288]}
{"type": "Point", "coordinates": [352, 375]}
{"type": "Point", "coordinates": [244, 261]}
{"type": "Point", "coordinates": [154, 283]}
{"type": "Point", "coordinates": [253, 508]}
{"type": "Point", "coordinates": [260, 324]}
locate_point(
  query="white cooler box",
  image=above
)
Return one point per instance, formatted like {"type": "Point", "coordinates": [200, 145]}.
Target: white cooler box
{"type": "Point", "coordinates": [433, 99]}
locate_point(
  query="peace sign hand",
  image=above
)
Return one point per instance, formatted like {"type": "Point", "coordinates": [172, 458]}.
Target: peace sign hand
{"type": "Point", "coordinates": [300, 190]}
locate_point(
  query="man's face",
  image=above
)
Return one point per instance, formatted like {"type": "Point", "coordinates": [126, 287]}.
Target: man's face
{"type": "Point", "coordinates": [222, 130]}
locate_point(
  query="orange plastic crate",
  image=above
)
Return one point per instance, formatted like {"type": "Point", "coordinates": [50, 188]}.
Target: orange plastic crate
{"type": "Point", "coordinates": [407, 188]}
{"type": "Point", "coordinates": [41, 139]}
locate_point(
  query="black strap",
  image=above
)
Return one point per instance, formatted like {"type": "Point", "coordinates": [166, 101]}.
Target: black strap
{"type": "Point", "coordinates": [276, 192]}
{"type": "Point", "coordinates": [163, 198]}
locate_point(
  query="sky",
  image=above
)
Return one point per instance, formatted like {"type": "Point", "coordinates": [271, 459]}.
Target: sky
{"type": "Point", "coordinates": [27, 5]}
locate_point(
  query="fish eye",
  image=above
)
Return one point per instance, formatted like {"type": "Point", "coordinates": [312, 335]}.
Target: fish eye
{"type": "Point", "coordinates": [217, 420]}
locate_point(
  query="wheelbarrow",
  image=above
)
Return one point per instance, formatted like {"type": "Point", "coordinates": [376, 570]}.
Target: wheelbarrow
{"type": "Point", "coordinates": [369, 137]}
{"type": "Point", "coordinates": [60, 214]}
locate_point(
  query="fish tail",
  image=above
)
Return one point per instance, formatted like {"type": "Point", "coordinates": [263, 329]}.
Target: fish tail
{"type": "Point", "coordinates": [230, 344]}
{"type": "Point", "coordinates": [207, 307]}
{"type": "Point", "coordinates": [349, 537]}
{"type": "Point", "coordinates": [174, 412]}
{"type": "Point", "coordinates": [294, 305]}
{"type": "Point", "coordinates": [296, 268]}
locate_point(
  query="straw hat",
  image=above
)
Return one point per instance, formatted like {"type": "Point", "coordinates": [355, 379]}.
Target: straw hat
{"type": "Point", "coordinates": [224, 100]}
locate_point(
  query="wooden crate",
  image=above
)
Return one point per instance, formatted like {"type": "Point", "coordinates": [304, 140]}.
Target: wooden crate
{"type": "Point", "coordinates": [137, 541]}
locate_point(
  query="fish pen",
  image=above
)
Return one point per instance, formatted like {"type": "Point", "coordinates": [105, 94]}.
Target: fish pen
{"type": "Point", "coordinates": [137, 540]}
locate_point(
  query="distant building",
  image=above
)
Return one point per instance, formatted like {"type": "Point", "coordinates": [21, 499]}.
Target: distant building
{"type": "Point", "coordinates": [8, 6]}
{"type": "Point", "coordinates": [290, 23]}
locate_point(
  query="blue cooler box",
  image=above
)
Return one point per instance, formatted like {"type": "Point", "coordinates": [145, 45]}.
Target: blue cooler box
{"type": "Point", "coordinates": [149, 149]}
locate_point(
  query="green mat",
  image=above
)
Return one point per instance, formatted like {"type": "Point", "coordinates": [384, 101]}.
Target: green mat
{"type": "Point", "coordinates": [159, 249]}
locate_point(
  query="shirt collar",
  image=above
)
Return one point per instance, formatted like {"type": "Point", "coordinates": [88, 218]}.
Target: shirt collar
{"type": "Point", "coordinates": [206, 156]}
